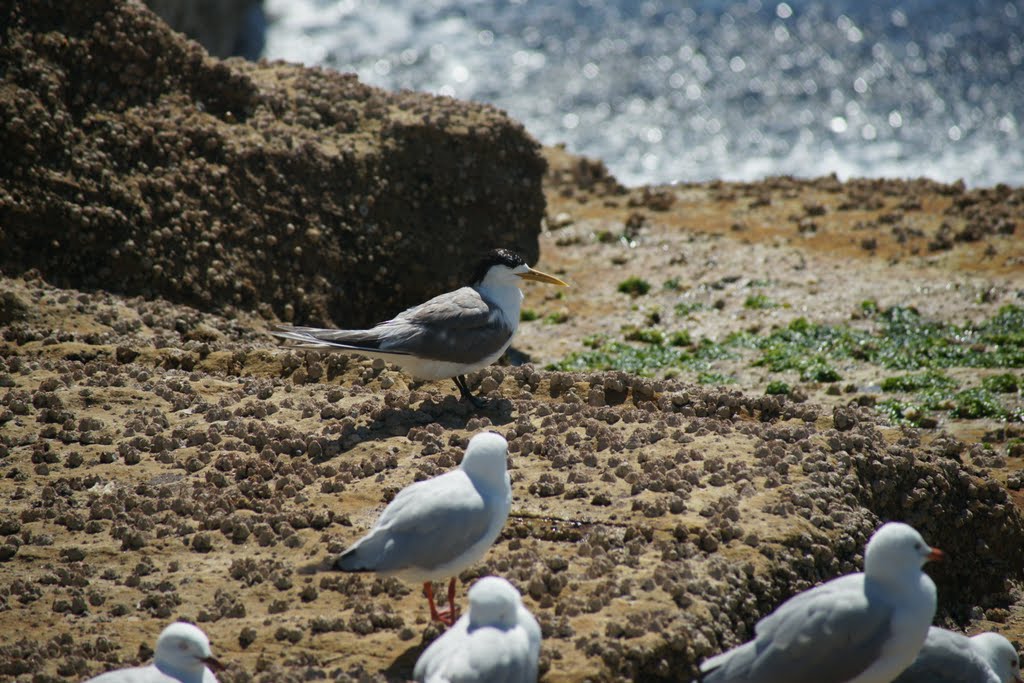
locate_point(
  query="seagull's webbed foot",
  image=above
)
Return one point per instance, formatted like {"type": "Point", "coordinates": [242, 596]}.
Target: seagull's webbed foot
{"type": "Point", "coordinates": [460, 382]}
{"type": "Point", "coordinates": [448, 615]}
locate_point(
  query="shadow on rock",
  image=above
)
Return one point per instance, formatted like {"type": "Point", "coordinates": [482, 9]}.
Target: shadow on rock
{"type": "Point", "coordinates": [401, 668]}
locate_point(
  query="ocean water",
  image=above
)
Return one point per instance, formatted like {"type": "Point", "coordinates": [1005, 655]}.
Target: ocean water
{"type": "Point", "coordinates": [667, 91]}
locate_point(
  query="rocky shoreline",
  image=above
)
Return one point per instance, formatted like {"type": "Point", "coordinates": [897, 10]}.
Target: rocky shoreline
{"type": "Point", "coordinates": [162, 458]}
{"type": "Point", "coordinates": [136, 163]}
{"type": "Point", "coordinates": [154, 476]}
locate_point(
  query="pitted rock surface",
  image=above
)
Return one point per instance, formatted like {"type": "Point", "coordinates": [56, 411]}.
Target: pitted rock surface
{"type": "Point", "coordinates": [161, 463]}
{"type": "Point", "coordinates": [134, 162]}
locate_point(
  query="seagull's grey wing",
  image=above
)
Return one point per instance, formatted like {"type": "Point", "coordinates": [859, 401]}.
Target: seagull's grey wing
{"type": "Point", "coordinates": [457, 327]}
{"type": "Point", "coordinates": [533, 636]}
{"type": "Point", "coordinates": [947, 657]}
{"type": "Point", "coordinates": [487, 655]}
{"type": "Point", "coordinates": [829, 634]}
{"type": "Point", "coordinates": [431, 661]}
{"type": "Point", "coordinates": [496, 656]}
{"type": "Point", "coordinates": [426, 526]}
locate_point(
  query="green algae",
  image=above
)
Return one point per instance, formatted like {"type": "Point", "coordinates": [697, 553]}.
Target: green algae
{"type": "Point", "coordinates": [929, 379]}
{"type": "Point", "coordinates": [649, 335]}
{"type": "Point", "coordinates": [900, 338]}
{"type": "Point", "coordinates": [1004, 383]}
{"type": "Point", "coordinates": [759, 302]}
{"type": "Point", "coordinates": [680, 338]}
{"type": "Point", "coordinates": [714, 378]}
{"type": "Point", "coordinates": [605, 354]}
{"type": "Point", "coordinates": [556, 318]}
{"type": "Point", "coordinates": [972, 404]}
{"type": "Point", "coordinates": [685, 308]}
{"type": "Point", "coordinates": [634, 286]}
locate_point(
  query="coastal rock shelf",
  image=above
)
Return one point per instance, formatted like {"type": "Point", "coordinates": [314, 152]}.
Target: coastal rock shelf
{"type": "Point", "coordinates": [743, 371]}
{"type": "Point", "coordinates": [160, 462]}
{"type": "Point", "coordinates": [134, 162]}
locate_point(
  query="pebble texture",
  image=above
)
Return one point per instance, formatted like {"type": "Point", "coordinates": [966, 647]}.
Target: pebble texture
{"type": "Point", "coordinates": [159, 462]}
{"type": "Point", "coordinates": [134, 162]}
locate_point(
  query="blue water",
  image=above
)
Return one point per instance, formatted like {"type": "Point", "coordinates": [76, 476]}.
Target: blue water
{"type": "Point", "coordinates": [670, 91]}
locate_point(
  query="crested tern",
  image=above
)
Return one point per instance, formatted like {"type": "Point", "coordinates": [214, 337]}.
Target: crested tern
{"type": "Point", "coordinates": [446, 337]}
{"type": "Point", "coordinates": [434, 529]}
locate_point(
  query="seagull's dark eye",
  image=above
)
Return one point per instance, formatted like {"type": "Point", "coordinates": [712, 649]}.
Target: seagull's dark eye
{"type": "Point", "coordinates": [918, 546]}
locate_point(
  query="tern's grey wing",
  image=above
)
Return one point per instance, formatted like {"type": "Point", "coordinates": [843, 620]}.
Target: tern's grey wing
{"type": "Point", "coordinates": [457, 327]}
{"type": "Point", "coordinates": [829, 634]}
{"type": "Point", "coordinates": [328, 339]}
{"type": "Point", "coordinates": [947, 657]}
{"type": "Point", "coordinates": [427, 525]}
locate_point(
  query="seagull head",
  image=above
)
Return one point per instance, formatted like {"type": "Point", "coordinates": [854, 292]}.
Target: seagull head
{"type": "Point", "coordinates": [493, 601]}
{"type": "Point", "coordinates": [895, 550]}
{"type": "Point", "coordinates": [1001, 656]}
{"type": "Point", "coordinates": [486, 457]}
{"type": "Point", "coordinates": [501, 267]}
{"type": "Point", "coordinates": [183, 647]}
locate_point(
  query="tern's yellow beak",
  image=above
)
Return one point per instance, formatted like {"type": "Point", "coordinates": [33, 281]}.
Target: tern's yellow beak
{"type": "Point", "coordinates": [538, 276]}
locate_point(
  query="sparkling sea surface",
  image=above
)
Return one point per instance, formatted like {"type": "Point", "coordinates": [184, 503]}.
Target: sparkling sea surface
{"type": "Point", "coordinates": [674, 91]}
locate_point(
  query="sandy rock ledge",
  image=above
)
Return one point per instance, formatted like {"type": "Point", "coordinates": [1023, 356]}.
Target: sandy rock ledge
{"type": "Point", "coordinates": [159, 462]}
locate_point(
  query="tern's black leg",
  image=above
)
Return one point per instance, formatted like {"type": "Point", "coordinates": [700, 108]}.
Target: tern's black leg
{"type": "Point", "coordinates": [460, 382]}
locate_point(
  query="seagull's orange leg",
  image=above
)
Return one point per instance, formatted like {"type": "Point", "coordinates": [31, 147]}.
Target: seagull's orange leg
{"type": "Point", "coordinates": [428, 588]}
{"type": "Point", "coordinates": [450, 613]}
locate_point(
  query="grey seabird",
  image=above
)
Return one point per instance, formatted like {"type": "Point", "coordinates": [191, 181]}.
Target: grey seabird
{"type": "Point", "coordinates": [182, 655]}
{"type": "Point", "coordinates": [436, 528]}
{"type": "Point", "coordinates": [858, 628]}
{"type": "Point", "coordinates": [499, 640]}
{"type": "Point", "coordinates": [949, 657]}
{"type": "Point", "coordinates": [447, 336]}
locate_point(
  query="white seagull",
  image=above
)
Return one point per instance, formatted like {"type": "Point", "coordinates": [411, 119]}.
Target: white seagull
{"type": "Point", "coordinates": [450, 335]}
{"type": "Point", "coordinates": [949, 657]}
{"type": "Point", "coordinates": [182, 655]}
{"type": "Point", "coordinates": [858, 628]}
{"type": "Point", "coordinates": [434, 529]}
{"type": "Point", "coordinates": [498, 641]}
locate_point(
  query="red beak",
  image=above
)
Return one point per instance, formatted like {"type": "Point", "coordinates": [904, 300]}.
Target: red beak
{"type": "Point", "coordinates": [936, 555]}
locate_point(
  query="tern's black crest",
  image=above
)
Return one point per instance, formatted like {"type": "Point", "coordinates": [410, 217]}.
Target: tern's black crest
{"type": "Point", "coordinates": [496, 257]}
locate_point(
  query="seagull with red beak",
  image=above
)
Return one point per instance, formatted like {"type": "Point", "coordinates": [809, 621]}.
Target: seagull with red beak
{"type": "Point", "coordinates": [436, 528]}
{"type": "Point", "coordinates": [182, 655]}
{"type": "Point", "coordinates": [859, 628]}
